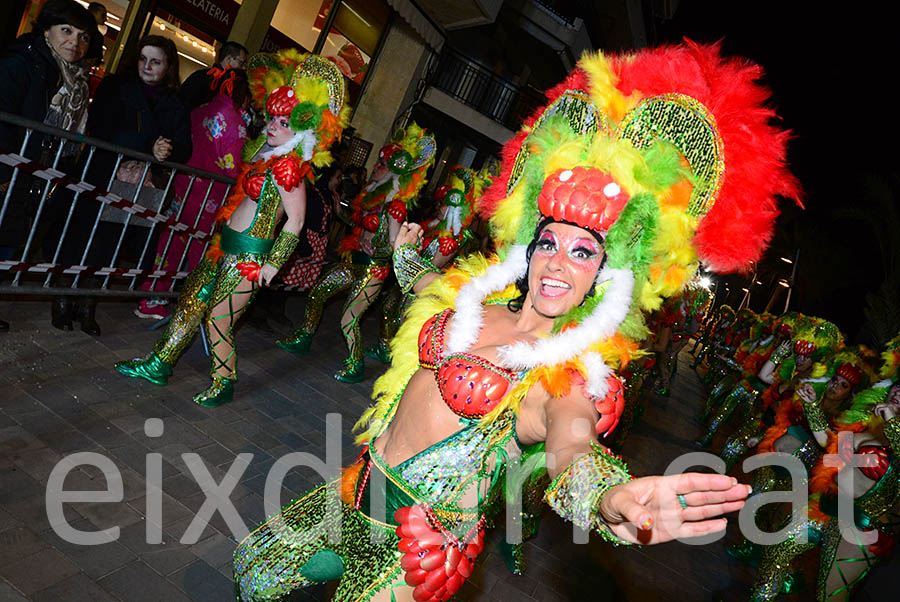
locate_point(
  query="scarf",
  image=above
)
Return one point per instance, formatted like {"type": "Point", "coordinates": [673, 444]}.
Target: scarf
{"type": "Point", "coordinates": [69, 106]}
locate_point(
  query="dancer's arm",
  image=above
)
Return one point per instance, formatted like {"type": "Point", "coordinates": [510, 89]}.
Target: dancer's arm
{"type": "Point", "coordinates": [413, 271]}
{"type": "Point", "coordinates": [593, 489]}
{"type": "Point", "coordinates": [294, 202]}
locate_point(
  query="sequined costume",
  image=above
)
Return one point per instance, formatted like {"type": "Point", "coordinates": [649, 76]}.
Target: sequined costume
{"type": "Point", "coordinates": [843, 564]}
{"type": "Point", "coordinates": [614, 162]}
{"type": "Point", "coordinates": [307, 92]}
{"type": "Point", "coordinates": [447, 478]}
{"type": "Point", "coordinates": [675, 322]}
{"type": "Point", "coordinates": [448, 234]}
{"type": "Point", "coordinates": [750, 389]}
{"type": "Point", "coordinates": [366, 250]}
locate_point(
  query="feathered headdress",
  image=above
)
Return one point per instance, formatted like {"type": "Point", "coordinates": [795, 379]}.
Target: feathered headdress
{"type": "Point", "coordinates": [308, 89]}
{"type": "Point", "coordinates": [456, 199]}
{"type": "Point", "coordinates": [670, 152]}
{"type": "Point", "coordinates": [407, 159]}
{"type": "Point", "coordinates": [670, 155]}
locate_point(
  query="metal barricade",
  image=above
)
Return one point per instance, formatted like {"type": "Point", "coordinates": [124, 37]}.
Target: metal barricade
{"type": "Point", "coordinates": [141, 208]}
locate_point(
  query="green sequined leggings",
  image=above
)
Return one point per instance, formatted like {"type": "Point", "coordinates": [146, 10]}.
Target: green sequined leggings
{"type": "Point", "coordinates": [294, 549]}
{"type": "Point", "coordinates": [364, 283]}
{"type": "Point", "coordinates": [218, 293]}
{"type": "Point", "coordinates": [777, 559]}
{"type": "Point", "coordinates": [393, 304]}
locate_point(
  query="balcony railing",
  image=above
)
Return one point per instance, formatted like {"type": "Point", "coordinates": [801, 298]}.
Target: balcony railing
{"type": "Point", "coordinates": [483, 90]}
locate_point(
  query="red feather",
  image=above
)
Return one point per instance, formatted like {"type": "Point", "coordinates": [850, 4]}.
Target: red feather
{"type": "Point", "coordinates": [739, 226]}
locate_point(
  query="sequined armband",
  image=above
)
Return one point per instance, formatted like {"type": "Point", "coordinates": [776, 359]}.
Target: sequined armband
{"type": "Point", "coordinates": [781, 353]}
{"type": "Point", "coordinates": [892, 434]}
{"type": "Point", "coordinates": [815, 416]}
{"type": "Point", "coordinates": [284, 246]}
{"type": "Point", "coordinates": [576, 492]}
{"type": "Point", "coordinates": [409, 267]}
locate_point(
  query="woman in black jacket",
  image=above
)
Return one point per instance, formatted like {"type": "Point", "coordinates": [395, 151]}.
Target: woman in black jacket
{"type": "Point", "coordinates": [139, 109]}
{"type": "Point", "coordinates": [43, 76]}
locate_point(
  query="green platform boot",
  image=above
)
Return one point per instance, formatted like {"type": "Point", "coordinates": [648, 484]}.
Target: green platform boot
{"type": "Point", "coordinates": [380, 352]}
{"type": "Point", "coordinates": [220, 392]}
{"type": "Point", "coordinates": [150, 368]}
{"type": "Point", "coordinates": [297, 344]}
{"type": "Point", "coordinates": [352, 372]}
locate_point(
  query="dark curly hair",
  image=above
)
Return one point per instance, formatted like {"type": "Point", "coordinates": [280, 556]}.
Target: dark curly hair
{"type": "Point", "coordinates": [61, 12]}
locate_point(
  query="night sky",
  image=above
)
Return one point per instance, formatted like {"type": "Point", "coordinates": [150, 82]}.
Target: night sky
{"type": "Point", "coordinates": [831, 74]}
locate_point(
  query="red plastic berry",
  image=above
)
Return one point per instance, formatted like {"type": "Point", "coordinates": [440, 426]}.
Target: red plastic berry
{"type": "Point", "coordinates": [585, 196]}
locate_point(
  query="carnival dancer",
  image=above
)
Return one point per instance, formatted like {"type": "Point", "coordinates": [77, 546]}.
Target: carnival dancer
{"type": "Point", "coordinates": [755, 377]}
{"type": "Point", "coordinates": [714, 333]}
{"type": "Point", "coordinates": [845, 559]}
{"type": "Point", "coordinates": [780, 373]}
{"type": "Point", "coordinates": [443, 237]}
{"type": "Point", "coordinates": [303, 96]}
{"type": "Point", "coordinates": [378, 211]}
{"type": "Point", "coordinates": [604, 207]}
{"type": "Point", "coordinates": [676, 321]}
{"type": "Point", "coordinates": [801, 421]}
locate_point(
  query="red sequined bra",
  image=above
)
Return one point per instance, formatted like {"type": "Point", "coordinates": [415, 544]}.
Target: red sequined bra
{"type": "Point", "coordinates": [470, 385]}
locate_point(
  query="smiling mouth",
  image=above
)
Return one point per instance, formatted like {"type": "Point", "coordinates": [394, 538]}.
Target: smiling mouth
{"type": "Point", "coordinates": [551, 287]}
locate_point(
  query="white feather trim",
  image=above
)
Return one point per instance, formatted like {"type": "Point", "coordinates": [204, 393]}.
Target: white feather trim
{"type": "Point", "coordinates": [598, 372]}
{"type": "Point", "coordinates": [308, 142]}
{"type": "Point", "coordinates": [283, 149]}
{"type": "Point", "coordinates": [882, 384]}
{"type": "Point", "coordinates": [469, 316]}
{"type": "Point", "coordinates": [602, 323]}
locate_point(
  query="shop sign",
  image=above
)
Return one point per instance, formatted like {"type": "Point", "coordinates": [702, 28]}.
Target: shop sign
{"type": "Point", "coordinates": [217, 15]}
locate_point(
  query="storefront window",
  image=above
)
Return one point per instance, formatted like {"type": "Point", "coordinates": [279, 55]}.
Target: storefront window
{"type": "Point", "coordinates": [353, 39]}
{"type": "Point", "coordinates": [196, 49]}
{"type": "Point", "coordinates": [301, 20]}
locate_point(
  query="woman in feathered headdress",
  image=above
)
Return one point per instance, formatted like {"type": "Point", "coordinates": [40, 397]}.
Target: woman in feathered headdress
{"type": "Point", "coordinates": [850, 544]}
{"type": "Point", "coordinates": [303, 97]}
{"type": "Point", "coordinates": [600, 211]}
{"type": "Point", "coordinates": [377, 213]}
{"type": "Point", "coordinates": [445, 236]}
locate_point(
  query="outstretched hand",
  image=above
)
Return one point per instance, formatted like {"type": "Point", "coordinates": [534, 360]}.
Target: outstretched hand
{"type": "Point", "coordinates": [648, 510]}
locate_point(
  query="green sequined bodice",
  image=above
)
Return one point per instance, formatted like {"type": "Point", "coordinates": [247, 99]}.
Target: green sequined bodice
{"type": "Point", "coordinates": [266, 217]}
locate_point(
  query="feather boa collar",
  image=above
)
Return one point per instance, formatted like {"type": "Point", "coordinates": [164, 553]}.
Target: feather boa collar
{"type": "Point", "coordinates": [573, 343]}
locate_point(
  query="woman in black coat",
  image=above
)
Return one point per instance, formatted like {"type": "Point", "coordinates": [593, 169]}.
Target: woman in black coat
{"type": "Point", "coordinates": [43, 77]}
{"type": "Point", "coordinates": [139, 109]}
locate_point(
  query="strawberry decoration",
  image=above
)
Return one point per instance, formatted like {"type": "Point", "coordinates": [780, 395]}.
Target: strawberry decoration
{"type": "Point", "coordinates": [253, 183]}
{"type": "Point", "coordinates": [469, 388]}
{"type": "Point", "coordinates": [611, 407]}
{"type": "Point", "coordinates": [249, 270]}
{"type": "Point", "coordinates": [388, 151]}
{"type": "Point", "coordinates": [397, 210]}
{"type": "Point", "coordinates": [380, 272]}
{"type": "Point", "coordinates": [881, 457]}
{"type": "Point", "coordinates": [585, 196]}
{"type": "Point", "coordinates": [281, 101]}
{"type": "Point", "coordinates": [436, 562]}
{"type": "Point", "coordinates": [447, 245]}
{"type": "Point", "coordinates": [287, 172]}
{"type": "Point", "coordinates": [370, 222]}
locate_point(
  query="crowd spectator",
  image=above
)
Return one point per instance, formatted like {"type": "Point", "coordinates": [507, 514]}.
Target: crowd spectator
{"type": "Point", "coordinates": [195, 89]}
{"type": "Point", "coordinates": [43, 76]}
{"type": "Point", "coordinates": [140, 110]}
{"type": "Point", "coordinates": [218, 133]}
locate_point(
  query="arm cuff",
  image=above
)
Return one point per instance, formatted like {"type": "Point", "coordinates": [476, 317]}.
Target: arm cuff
{"type": "Point", "coordinates": [576, 492]}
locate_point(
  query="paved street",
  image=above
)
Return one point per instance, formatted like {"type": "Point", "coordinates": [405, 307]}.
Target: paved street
{"type": "Point", "coordinates": [59, 395]}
